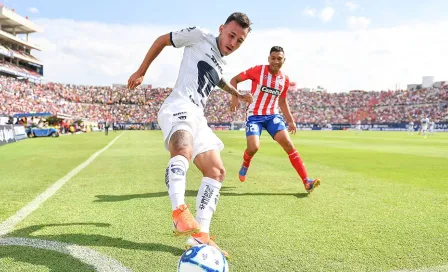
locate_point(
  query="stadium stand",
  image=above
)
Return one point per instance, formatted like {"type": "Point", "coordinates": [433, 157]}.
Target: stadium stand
{"type": "Point", "coordinates": [16, 59]}
{"type": "Point", "coordinates": [141, 106]}
{"type": "Point", "coordinates": [21, 91]}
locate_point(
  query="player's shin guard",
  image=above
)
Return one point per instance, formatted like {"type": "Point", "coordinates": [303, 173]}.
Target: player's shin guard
{"type": "Point", "coordinates": [298, 164]}
{"type": "Point", "coordinates": [206, 202]}
{"type": "Point", "coordinates": [176, 179]}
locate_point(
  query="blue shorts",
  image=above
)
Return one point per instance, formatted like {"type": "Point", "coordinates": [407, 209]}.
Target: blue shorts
{"type": "Point", "coordinates": [272, 123]}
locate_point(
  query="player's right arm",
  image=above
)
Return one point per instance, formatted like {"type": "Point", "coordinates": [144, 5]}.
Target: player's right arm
{"type": "Point", "coordinates": [243, 76]}
{"type": "Point", "coordinates": [181, 38]}
{"type": "Point", "coordinates": [234, 104]}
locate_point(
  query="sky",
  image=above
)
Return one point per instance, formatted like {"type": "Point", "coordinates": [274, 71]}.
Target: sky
{"type": "Point", "coordinates": [340, 45]}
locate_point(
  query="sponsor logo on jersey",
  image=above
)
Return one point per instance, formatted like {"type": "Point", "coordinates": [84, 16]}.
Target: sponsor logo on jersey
{"type": "Point", "coordinates": [189, 29]}
{"type": "Point", "coordinates": [215, 61]}
{"type": "Point", "coordinates": [272, 91]}
{"type": "Point", "coordinates": [192, 100]}
{"type": "Point", "coordinates": [179, 113]}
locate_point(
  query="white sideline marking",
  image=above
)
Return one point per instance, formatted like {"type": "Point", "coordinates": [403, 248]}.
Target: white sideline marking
{"type": "Point", "coordinates": [88, 256]}
{"type": "Point", "coordinates": [11, 222]}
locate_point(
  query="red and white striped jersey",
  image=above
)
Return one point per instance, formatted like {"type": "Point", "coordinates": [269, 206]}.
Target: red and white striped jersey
{"type": "Point", "coordinates": [266, 89]}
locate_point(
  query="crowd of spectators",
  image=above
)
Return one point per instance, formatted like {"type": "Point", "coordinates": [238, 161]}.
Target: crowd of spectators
{"type": "Point", "coordinates": [119, 104]}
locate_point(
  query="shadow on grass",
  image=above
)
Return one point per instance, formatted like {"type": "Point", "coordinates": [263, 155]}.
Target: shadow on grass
{"type": "Point", "coordinates": [93, 239]}
{"type": "Point", "coordinates": [51, 260]}
{"type": "Point", "coordinates": [60, 262]}
{"type": "Point", "coordinates": [223, 192]}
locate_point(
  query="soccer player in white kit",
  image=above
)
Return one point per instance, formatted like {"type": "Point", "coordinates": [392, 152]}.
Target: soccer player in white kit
{"type": "Point", "coordinates": [424, 125]}
{"type": "Point", "coordinates": [181, 117]}
{"type": "Point", "coordinates": [432, 125]}
{"type": "Point", "coordinates": [411, 128]}
{"type": "Point", "coordinates": [358, 127]}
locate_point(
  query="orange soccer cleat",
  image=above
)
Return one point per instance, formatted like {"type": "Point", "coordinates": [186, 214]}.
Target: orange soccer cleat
{"type": "Point", "coordinates": [204, 238]}
{"type": "Point", "coordinates": [183, 222]}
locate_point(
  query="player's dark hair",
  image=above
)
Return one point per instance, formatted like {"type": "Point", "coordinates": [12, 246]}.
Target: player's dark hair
{"type": "Point", "coordinates": [241, 19]}
{"type": "Point", "coordinates": [276, 49]}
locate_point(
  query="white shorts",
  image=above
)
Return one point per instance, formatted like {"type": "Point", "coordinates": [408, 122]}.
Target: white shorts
{"type": "Point", "coordinates": [425, 127]}
{"type": "Point", "coordinates": [183, 116]}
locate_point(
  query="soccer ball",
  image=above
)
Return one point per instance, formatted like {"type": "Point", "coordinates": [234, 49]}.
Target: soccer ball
{"type": "Point", "coordinates": [201, 258]}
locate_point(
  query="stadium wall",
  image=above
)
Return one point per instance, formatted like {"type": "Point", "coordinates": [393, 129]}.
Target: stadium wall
{"type": "Point", "coordinates": [11, 134]}
{"type": "Point", "coordinates": [440, 127]}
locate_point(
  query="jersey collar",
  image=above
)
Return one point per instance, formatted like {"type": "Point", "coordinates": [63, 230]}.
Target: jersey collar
{"type": "Point", "coordinates": [217, 46]}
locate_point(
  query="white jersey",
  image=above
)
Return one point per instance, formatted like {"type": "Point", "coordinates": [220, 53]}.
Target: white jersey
{"type": "Point", "coordinates": [201, 67]}
{"type": "Point", "coordinates": [411, 126]}
{"type": "Point", "coordinates": [431, 125]}
{"type": "Point", "coordinates": [425, 122]}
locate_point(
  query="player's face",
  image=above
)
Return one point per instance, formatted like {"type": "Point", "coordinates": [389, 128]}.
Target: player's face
{"type": "Point", "coordinates": [276, 60]}
{"type": "Point", "coordinates": [231, 37]}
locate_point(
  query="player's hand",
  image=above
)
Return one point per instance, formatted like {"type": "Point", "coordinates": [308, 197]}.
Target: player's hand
{"type": "Point", "coordinates": [234, 104]}
{"type": "Point", "coordinates": [248, 98]}
{"type": "Point", "coordinates": [135, 80]}
{"type": "Point", "coordinates": [292, 127]}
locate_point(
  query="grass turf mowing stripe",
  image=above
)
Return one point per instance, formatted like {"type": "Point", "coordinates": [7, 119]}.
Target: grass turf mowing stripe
{"type": "Point", "coordinates": [11, 222]}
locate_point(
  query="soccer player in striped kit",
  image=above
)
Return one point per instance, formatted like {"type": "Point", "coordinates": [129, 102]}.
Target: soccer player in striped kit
{"type": "Point", "coordinates": [269, 90]}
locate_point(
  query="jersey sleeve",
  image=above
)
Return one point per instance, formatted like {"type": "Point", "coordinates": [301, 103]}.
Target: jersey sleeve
{"type": "Point", "coordinates": [285, 90]}
{"type": "Point", "coordinates": [251, 73]}
{"type": "Point", "coordinates": [186, 36]}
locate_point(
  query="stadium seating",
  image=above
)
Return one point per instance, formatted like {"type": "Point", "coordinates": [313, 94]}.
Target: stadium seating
{"type": "Point", "coordinates": [141, 105]}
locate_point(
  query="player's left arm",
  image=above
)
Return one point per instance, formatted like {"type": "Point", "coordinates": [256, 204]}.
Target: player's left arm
{"type": "Point", "coordinates": [226, 87]}
{"type": "Point", "coordinates": [284, 107]}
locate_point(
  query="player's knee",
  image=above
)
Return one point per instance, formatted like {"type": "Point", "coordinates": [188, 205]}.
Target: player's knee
{"type": "Point", "coordinates": [288, 146]}
{"type": "Point", "coordinates": [252, 149]}
{"type": "Point", "coordinates": [222, 174]}
{"type": "Point", "coordinates": [217, 173]}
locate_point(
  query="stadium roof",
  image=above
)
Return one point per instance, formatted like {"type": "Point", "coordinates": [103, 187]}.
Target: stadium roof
{"type": "Point", "coordinates": [31, 114]}
{"type": "Point", "coordinates": [14, 39]}
{"type": "Point", "coordinates": [10, 20]}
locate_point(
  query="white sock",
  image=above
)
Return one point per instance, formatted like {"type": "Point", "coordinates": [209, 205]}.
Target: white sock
{"type": "Point", "coordinates": [176, 180]}
{"type": "Point", "coordinates": [206, 202]}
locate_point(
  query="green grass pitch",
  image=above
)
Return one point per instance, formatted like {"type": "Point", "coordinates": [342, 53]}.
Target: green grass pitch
{"type": "Point", "coordinates": [382, 204]}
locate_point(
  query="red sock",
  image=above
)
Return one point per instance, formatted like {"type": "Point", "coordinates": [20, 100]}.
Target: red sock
{"type": "Point", "coordinates": [298, 164]}
{"type": "Point", "coordinates": [246, 159]}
